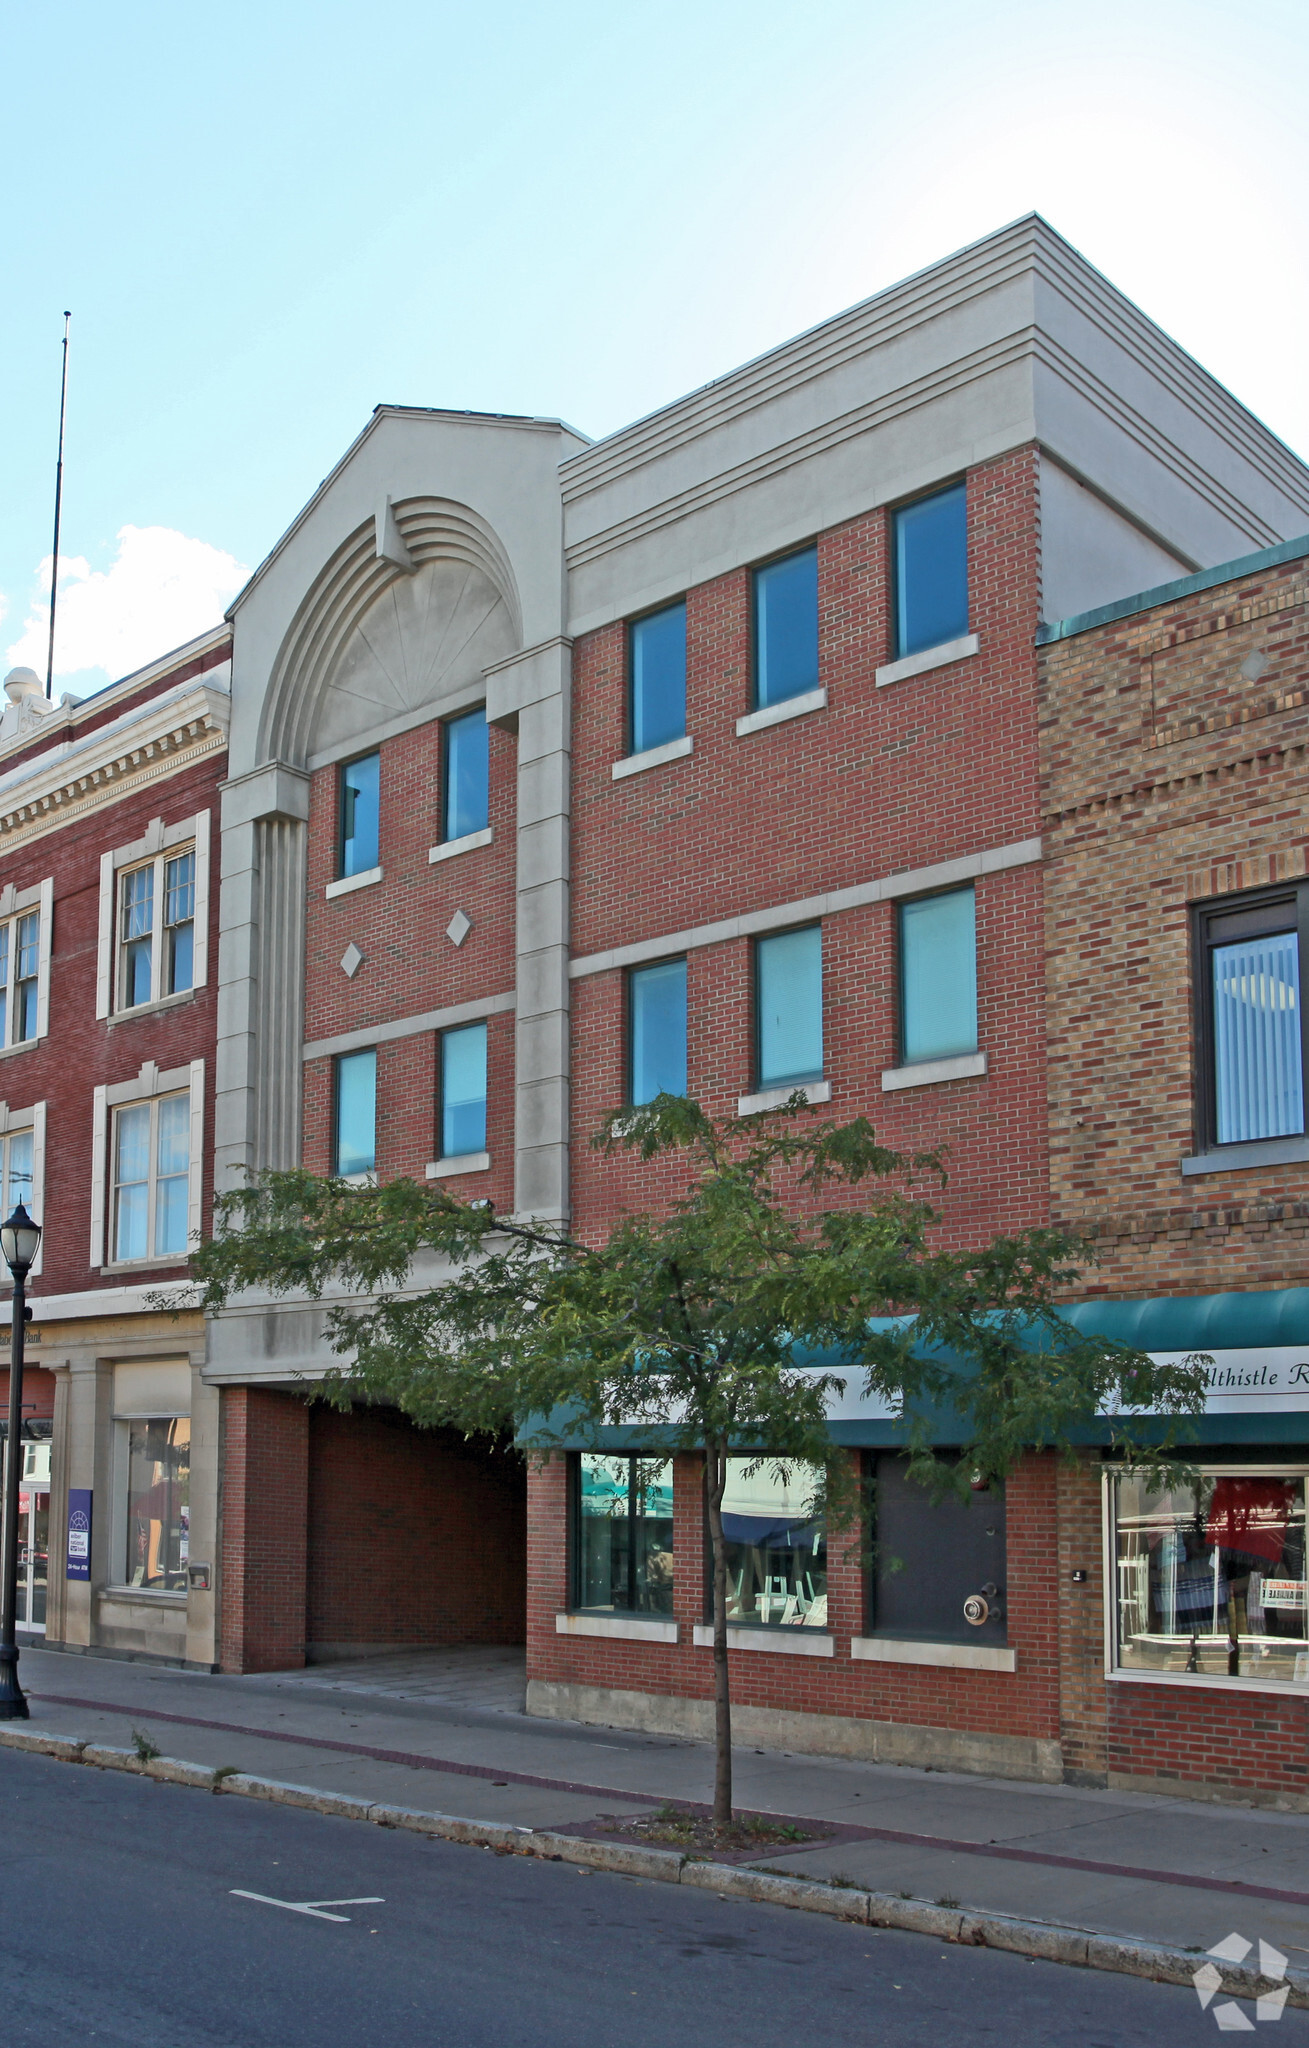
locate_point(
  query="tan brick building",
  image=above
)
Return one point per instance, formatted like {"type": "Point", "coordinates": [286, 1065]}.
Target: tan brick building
{"type": "Point", "coordinates": [1176, 825]}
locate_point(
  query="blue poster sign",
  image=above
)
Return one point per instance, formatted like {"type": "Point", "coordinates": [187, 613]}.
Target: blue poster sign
{"type": "Point", "coordinates": [79, 1532]}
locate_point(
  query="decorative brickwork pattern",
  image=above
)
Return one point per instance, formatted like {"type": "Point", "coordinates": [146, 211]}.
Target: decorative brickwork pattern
{"type": "Point", "coordinates": [1138, 831]}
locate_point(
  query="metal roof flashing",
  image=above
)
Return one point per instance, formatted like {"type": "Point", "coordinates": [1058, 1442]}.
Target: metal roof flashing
{"type": "Point", "coordinates": [1170, 593]}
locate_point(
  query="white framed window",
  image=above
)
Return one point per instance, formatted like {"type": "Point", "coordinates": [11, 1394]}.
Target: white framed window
{"type": "Point", "coordinates": [1207, 1576]}
{"type": "Point", "coordinates": [147, 1157]}
{"type": "Point", "coordinates": [154, 917]}
{"type": "Point", "coordinates": [26, 920]}
{"type": "Point", "coordinates": [22, 1164]}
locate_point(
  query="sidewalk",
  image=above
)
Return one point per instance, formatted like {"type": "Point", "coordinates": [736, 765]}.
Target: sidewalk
{"type": "Point", "coordinates": [444, 1731]}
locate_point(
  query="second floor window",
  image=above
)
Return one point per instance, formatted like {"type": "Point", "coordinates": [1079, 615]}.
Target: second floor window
{"type": "Point", "coordinates": [789, 1007]}
{"type": "Point", "coordinates": [931, 571]}
{"type": "Point", "coordinates": [466, 775]}
{"type": "Point", "coordinates": [1251, 1026]}
{"type": "Point", "coordinates": [17, 1154]}
{"type": "Point", "coordinates": [786, 628]}
{"type": "Point", "coordinates": [938, 977]}
{"type": "Point", "coordinates": [354, 1137]}
{"type": "Point", "coordinates": [20, 967]}
{"type": "Point", "coordinates": [152, 1160]}
{"type": "Point", "coordinates": [360, 797]}
{"type": "Point", "coordinates": [462, 1117]}
{"type": "Point", "coordinates": [656, 671]}
{"type": "Point", "coordinates": [156, 932]}
{"type": "Point", "coordinates": [657, 1031]}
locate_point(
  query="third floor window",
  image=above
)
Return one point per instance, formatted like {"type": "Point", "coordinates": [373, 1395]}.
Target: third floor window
{"type": "Point", "coordinates": [156, 928]}
{"type": "Point", "coordinates": [931, 571]}
{"type": "Point", "coordinates": [20, 969]}
{"type": "Point", "coordinates": [359, 815]}
{"type": "Point", "coordinates": [656, 671]}
{"type": "Point", "coordinates": [786, 628]}
{"type": "Point", "coordinates": [465, 775]}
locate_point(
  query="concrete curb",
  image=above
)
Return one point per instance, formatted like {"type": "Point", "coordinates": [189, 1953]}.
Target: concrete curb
{"type": "Point", "coordinates": [1041, 1940]}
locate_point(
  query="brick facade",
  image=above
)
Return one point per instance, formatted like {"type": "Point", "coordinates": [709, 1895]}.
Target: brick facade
{"type": "Point", "coordinates": [1174, 742]}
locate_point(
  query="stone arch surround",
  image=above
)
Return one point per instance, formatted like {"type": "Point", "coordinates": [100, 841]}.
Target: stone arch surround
{"type": "Point", "coordinates": [371, 639]}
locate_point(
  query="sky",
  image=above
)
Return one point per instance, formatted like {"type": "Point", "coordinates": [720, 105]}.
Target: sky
{"type": "Point", "coordinates": [269, 218]}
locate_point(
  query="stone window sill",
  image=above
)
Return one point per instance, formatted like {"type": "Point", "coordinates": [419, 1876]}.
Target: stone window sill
{"type": "Point", "coordinates": [1289, 1688]}
{"type": "Point", "coordinates": [467, 844]}
{"type": "Point", "coordinates": [945, 1656]}
{"type": "Point", "coordinates": [148, 1594]}
{"type": "Point", "coordinates": [790, 1641]}
{"type": "Point", "coordinates": [174, 1002]}
{"type": "Point", "coordinates": [925, 660]}
{"type": "Point", "coordinates": [1240, 1158]}
{"type": "Point", "coordinates": [924, 1073]}
{"type": "Point", "coordinates": [349, 883]}
{"type": "Point", "coordinates": [773, 1098]}
{"type": "Point", "coordinates": [777, 714]}
{"type": "Point", "coordinates": [463, 1162]}
{"type": "Point", "coordinates": [653, 757]}
{"type": "Point", "coordinates": [628, 1628]}
{"type": "Point", "coordinates": [7, 1052]}
{"type": "Point", "coordinates": [145, 1265]}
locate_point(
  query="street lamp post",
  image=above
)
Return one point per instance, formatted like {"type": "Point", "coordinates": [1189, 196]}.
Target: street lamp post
{"type": "Point", "coordinates": [19, 1239]}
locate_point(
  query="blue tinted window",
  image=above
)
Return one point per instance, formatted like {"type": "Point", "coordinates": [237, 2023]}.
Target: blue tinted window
{"type": "Point", "coordinates": [1257, 1066]}
{"type": "Point", "coordinates": [657, 667]}
{"type": "Point", "coordinates": [786, 628]}
{"type": "Point", "coordinates": [467, 776]}
{"type": "Point", "coordinates": [356, 1113]}
{"type": "Point", "coordinates": [938, 977]}
{"type": "Point", "coordinates": [359, 800]}
{"type": "Point", "coordinates": [463, 1091]}
{"type": "Point", "coordinates": [931, 571]}
{"type": "Point", "coordinates": [658, 1047]}
{"type": "Point", "coordinates": [789, 996]}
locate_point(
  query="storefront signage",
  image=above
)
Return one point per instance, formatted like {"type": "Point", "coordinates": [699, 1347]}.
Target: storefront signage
{"type": "Point", "coordinates": [1271, 1380]}
{"type": "Point", "coordinates": [79, 1533]}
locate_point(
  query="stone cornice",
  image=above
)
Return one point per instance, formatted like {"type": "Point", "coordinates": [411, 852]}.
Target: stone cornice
{"type": "Point", "coordinates": [144, 746]}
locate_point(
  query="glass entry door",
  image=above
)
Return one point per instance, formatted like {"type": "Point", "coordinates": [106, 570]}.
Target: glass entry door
{"type": "Point", "coordinates": [33, 1558]}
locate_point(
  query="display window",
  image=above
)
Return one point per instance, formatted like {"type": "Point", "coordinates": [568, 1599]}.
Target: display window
{"type": "Point", "coordinates": [158, 1520]}
{"type": "Point", "coordinates": [623, 1540]}
{"type": "Point", "coordinates": [776, 1539]}
{"type": "Point", "coordinates": [1209, 1577]}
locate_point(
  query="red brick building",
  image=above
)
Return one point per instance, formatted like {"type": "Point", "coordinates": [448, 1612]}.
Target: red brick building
{"type": "Point", "coordinates": [108, 1009]}
{"type": "Point", "coordinates": [709, 755]}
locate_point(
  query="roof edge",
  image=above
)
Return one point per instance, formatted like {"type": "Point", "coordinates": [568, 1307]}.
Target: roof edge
{"type": "Point", "coordinates": [1168, 593]}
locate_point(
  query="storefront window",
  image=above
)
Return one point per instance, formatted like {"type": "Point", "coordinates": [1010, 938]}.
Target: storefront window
{"type": "Point", "coordinates": [624, 1550]}
{"type": "Point", "coordinates": [1211, 1577]}
{"type": "Point", "coordinates": [776, 1545]}
{"type": "Point", "coordinates": [158, 1503]}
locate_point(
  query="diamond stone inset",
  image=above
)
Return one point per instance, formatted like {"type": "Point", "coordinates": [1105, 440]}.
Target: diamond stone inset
{"type": "Point", "coordinates": [459, 927]}
{"type": "Point", "coordinates": [351, 961]}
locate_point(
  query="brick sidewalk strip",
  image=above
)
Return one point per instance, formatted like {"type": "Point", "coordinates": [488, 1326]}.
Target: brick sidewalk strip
{"type": "Point", "coordinates": [832, 1831]}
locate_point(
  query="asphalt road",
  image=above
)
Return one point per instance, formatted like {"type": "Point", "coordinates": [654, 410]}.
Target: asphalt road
{"type": "Point", "coordinates": [119, 1924]}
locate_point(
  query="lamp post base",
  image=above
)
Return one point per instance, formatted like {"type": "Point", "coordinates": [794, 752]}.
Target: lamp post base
{"type": "Point", "coordinates": [13, 1700]}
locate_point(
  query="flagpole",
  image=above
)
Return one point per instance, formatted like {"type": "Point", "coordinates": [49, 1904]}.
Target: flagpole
{"type": "Point", "coordinates": [59, 493]}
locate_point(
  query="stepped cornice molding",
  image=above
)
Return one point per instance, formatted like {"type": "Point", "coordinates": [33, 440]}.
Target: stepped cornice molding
{"type": "Point", "coordinates": [144, 746]}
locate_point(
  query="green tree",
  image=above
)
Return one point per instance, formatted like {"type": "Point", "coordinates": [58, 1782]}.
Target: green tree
{"type": "Point", "coordinates": [793, 1236]}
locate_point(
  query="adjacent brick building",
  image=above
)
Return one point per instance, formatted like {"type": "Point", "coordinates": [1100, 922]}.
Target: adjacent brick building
{"type": "Point", "coordinates": [108, 1006]}
{"type": "Point", "coordinates": [1174, 729]}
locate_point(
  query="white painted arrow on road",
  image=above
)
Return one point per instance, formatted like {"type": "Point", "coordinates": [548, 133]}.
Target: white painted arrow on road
{"type": "Point", "coordinates": [313, 1907]}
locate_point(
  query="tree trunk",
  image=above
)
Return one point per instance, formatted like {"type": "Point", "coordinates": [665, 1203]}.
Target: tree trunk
{"type": "Point", "coordinates": [716, 1479]}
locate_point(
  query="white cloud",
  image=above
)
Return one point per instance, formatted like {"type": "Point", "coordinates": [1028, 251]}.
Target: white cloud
{"type": "Point", "coordinates": [162, 589]}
